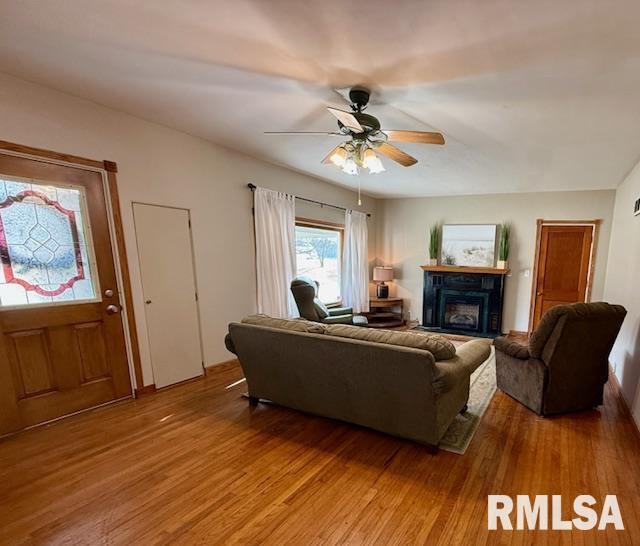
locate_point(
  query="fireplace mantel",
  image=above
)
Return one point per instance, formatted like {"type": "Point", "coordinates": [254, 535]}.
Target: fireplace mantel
{"type": "Point", "coordinates": [465, 269]}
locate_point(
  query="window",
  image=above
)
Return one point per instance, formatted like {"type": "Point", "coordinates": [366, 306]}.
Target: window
{"type": "Point", "coordinates": [319, 256]}
{"type": "Point", "coordinates": [45, 251]}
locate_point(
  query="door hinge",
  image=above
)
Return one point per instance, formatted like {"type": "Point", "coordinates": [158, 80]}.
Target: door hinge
{"type": "Point", "coordinates": [196, 296]}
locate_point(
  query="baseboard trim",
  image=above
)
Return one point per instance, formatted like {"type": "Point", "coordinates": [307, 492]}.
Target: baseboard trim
{"type": "Point", "coordinates": [219, 366]}
{"type": "Point", "coordinates": [625, 405]}
{"type": "Point", "coordinates": [146, 389]}
{"type": "Point", "coordinates": [211, 368]}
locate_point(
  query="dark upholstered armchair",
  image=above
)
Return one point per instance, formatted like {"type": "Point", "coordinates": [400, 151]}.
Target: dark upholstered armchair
{"type": "Point", "coordinates": [305, 292]}
{"type": "Point", "coordinates": [566, 364]}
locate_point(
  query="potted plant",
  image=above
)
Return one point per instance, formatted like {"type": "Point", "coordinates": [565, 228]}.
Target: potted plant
{"type": "Point", "coordinates": [503, 246]}
{"type": "Point", "coordinates": [434, 244]}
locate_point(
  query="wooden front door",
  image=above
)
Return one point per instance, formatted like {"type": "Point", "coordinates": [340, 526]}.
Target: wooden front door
{"type": "Point", "coordinates": [62, 346]}
{"type": "Point", "coordinates": [564, 257]}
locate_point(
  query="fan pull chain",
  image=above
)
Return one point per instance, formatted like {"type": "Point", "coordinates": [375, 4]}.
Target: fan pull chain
{"type": "Point", "coordinates": [359, 200]}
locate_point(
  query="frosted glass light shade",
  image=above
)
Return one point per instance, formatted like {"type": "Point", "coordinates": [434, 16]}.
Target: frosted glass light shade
{"type": "Point", "coordinates": [372, 162]}
{"type": "Point", "coordinates": [339, 157]}
{"type": "Point", "coordinates": [350, 166]}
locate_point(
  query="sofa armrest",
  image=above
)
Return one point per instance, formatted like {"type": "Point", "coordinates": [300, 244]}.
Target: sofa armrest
{"type": "Point", "coordinates": [512, 348]}
{"type": "Point", "coordinates": [228, 342]}
{"type": "Point", "coordinates": [473, 353]}
{"type": "Point", "coordinates": [451, 372]}
{"type": "Point", "coordinates": [335, 311]}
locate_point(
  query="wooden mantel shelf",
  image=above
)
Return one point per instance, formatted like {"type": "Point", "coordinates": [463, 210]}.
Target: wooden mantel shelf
{"type": "Point", "coordinates": [465, 269]}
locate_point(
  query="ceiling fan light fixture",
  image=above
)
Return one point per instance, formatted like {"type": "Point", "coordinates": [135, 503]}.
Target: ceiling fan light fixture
{"type": "Point", "coordinates": [350, 166]}
{"type": "Point", "coordinates": [372, 162]}
{"type": "Point", "coordinates": [339, 157]}
{"type": "Point", "coordinates": [367, 139]}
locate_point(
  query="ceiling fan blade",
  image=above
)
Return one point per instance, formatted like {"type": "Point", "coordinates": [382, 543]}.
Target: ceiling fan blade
{"type": "Point", "coordinates": [327, 159]}
{"type": "Point", "coordinates": [396, 154]}
{"type": "Point", "coordinates": [303, 133]}
{"type": "Point", "coordinates": [344, 93]}
{"type": "Point", "coordinates": [347, 119]}
{"type": "Point", "coordinates": [423, 137]}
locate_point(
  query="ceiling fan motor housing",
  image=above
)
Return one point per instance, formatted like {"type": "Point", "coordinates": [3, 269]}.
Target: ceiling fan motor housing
{"type": "Point", "coordinates": [370, 124]}
{"type": "Point", "coordinates": [359, 96]}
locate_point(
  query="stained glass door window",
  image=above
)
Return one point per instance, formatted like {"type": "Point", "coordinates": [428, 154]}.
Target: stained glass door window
{"type": "Point", "coordinates": [46, 254]}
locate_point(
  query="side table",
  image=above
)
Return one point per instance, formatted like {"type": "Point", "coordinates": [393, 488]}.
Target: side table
{"type": "Point", "coordinates": [385, 312]}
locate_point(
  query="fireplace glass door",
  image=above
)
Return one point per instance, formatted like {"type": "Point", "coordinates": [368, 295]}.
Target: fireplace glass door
{"type": "Point", "coordinates": [463, 310]}
{"type": "Point", "coordinates": [462, 315]}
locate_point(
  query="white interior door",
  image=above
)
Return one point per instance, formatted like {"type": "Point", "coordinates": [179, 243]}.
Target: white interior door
{"type": "Point", "coordinates": [168, 281]}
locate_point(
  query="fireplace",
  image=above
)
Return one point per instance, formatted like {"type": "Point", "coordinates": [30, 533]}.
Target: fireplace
{"type": "Point", "coordinates": [464, 302]}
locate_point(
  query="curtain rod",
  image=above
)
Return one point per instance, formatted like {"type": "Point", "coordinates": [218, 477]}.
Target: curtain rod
{"type": "Point", "coordinates": [253, 187]}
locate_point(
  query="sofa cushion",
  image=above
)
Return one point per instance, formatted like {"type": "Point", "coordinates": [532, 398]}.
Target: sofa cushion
{"type": "Point", "coordinates": [440, 347]}
{"type": "Point", "coordinates": [297, 325]}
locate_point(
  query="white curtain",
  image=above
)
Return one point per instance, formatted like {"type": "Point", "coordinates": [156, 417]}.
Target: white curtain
{"type": "Point", "coordinates": [275, 222]}
{"type": "Point", "coordinates": [355, 262]}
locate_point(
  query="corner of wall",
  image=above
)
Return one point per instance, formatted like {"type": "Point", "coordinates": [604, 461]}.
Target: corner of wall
{"type": "Point", "coordinates": [623, 270]}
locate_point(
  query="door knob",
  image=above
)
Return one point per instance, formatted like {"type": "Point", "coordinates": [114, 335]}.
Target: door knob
{"type": "Point", "coordinates": [112, 309]}
{"type": "Point", "coordinates": [148, 302]}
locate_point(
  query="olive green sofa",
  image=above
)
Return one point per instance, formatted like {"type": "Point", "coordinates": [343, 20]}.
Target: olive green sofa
{"type": "Point", "coordinates": [337, 371]}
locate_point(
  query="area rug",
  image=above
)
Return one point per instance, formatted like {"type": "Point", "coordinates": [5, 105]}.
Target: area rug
{"type": "Point", "coordinates": [482, 388]}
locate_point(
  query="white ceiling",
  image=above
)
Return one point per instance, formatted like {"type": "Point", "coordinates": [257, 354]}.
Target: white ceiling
{"type": "Point", "coordinates": [530, 95]}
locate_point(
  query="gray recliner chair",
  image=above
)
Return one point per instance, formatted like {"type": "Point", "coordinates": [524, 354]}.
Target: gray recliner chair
{"type": "Point", "coordinates": [566, 363]}
{"type": "Point", "coordinates": [305, 293]}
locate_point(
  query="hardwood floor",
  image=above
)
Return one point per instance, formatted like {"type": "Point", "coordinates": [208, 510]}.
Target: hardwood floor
{"type": "Point", "coordinates": [197, 464]}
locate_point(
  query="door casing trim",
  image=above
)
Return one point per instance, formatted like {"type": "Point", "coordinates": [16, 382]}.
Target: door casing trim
{"type": "Point", "coordinates": [595, 225]}
{"type": "Point", "coordinates": [107, 170]}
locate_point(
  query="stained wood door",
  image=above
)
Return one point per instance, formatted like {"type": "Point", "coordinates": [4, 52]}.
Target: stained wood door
{"type": "Point", "coordinates": [563, 267]}
{"type": "Point", "coordinates": [168, 282]}
{"type": "Point", "coordinates": [62, 346]}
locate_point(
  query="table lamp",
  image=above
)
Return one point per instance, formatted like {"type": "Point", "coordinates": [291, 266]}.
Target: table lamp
{"type": "Point", "coordinates": [380, 275]}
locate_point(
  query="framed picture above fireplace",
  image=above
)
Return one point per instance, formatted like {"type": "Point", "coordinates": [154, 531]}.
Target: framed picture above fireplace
{"type": "Point", "coordinates": [471, 245]}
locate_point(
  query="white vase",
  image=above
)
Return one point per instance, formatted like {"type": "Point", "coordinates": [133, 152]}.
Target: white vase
{"type": "Point", "coordinates": [502, 264]}
{"type": "Point", "coordinates": [433, 261]}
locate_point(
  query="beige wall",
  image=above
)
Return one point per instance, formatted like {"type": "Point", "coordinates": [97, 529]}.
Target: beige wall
{"type": "Point", "coordinates": [403, 226]}
{"type": "Point", "coordinates": [623, 286]}
{"type": "Point", "coordinates": [162, 166]}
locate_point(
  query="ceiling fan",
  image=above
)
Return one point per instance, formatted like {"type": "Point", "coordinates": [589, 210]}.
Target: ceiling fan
{"type": "Point", "coordinates": [366, 138]}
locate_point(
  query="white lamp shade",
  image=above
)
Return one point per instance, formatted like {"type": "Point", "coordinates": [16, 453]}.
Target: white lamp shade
{"type": "Point", "coordinates": [384, 273]}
